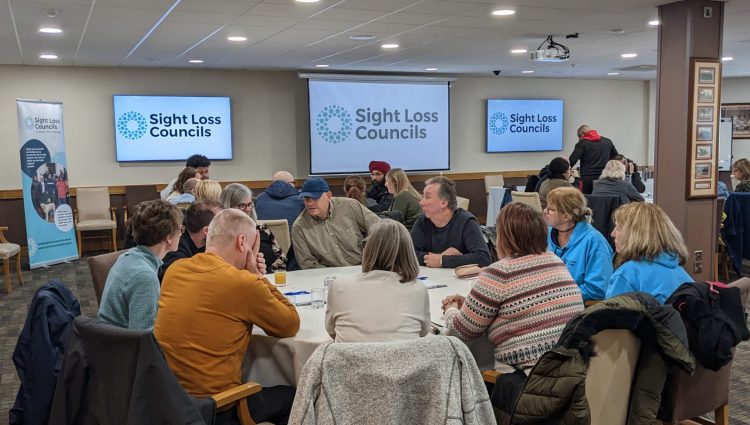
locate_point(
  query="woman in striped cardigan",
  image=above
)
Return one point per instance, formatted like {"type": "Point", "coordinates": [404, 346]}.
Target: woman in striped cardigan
{"type": "Point", "coordinates": [523, 300]}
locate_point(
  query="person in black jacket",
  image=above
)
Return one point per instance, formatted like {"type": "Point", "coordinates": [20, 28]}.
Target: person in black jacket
{"type": "Point", "coordinates": [631, 173]}
{"type": "Point", "coordinates": [378, 192]}
{"type": "Point", "coordinates": [593, 151]}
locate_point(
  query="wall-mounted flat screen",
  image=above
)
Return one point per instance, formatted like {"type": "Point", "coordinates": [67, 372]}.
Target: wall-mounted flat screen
{"type": "Point", "coordinates": [355, 122]}
{"type": "Point", "coordinates": [171, 128]}
{"type": "Point", "coordinates": [524, 125]}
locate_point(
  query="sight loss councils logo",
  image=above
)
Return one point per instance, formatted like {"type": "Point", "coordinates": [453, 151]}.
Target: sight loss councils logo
{"type": "Point", "coordinates": [131, 125]}
{"type": "Point", "coordinates": [333, 124]}
{"type": "Point", "coordinates": [498, 123]}
{"type": "Point", "coordinates": [29, 123]}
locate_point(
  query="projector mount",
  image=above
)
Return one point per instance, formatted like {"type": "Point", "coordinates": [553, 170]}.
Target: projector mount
{"type": "Point", "coordinates": [553, 52]}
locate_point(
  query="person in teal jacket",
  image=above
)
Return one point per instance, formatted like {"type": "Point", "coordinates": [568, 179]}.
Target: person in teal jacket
{"type": "Point", "coordinates": [583, 249]}
{"type": "Point", "coordinates": [650, 252]}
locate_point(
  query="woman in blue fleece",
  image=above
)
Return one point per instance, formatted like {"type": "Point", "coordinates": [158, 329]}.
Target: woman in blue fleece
{"type": "Point", "coordinates": [650, 252]}
{"type": "Point", "coordinates": [581, 247]}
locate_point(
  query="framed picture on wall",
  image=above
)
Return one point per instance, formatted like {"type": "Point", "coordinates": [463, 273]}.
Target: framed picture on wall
{"type": "Point", "coordinates": [705, 95]}
{"type": "Point", "coordinates": [703, 170]}
{"type": "Point", "coordinates": [740, 114]}
{"type": "Point", "coordinates": [705, 114]}
{"type": "Point", "coordinates": [704, 133]}
{"type": "Point", "coordinates": [704, 152]}
{"type": "Point", "coordinates": [706, 75]}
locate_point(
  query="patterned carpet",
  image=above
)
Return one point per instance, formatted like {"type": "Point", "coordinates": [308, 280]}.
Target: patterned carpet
{"type": "Point", "coordinates": [76, 275]}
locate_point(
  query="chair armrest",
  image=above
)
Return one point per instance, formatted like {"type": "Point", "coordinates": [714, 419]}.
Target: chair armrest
{"type": "Point", "coordinates": [490, 376]}
{"type": "Point", "coordinates": [113, 210]}
{"type": "Point", "coordinates": [237, 393]}
{"type": "Point", "coordinates": [2, 236]}
{"type": "Point", "coordinates": [125, 215]}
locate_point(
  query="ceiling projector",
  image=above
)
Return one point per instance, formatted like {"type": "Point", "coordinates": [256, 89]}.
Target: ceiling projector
{"type": "Point", "coordinates": [554, 52]}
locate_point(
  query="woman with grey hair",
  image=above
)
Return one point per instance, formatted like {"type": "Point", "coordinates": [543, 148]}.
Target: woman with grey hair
{"type": "Point", "coordinates": [239, 196]}
{"type": "Point", "coordinates": [612, 182]}
{"type": "Point", "coordinates": [386, 302]}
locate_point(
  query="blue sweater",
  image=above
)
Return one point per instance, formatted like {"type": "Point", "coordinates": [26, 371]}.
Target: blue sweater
{"type": "Point", "coordinates": [588, 257]}
{"type": "Point", "coordinates": [131, 292]}
{"type": "Point", "coordinates": [281, 200]}
{"type": "Point", "coordinates": [659, 278]}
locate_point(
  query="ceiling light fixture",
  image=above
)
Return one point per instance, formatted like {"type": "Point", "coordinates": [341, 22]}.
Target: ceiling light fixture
{"type": "Point", "coordinates": [654, 23]}
{"type": "Point", "coordinates": [362, 37]}
{"type": "Point", "coordinates": [527, 72]}
{"type": "Point", "coordinates": [519, 51]}
{"type": "Point", "coordinates": [629, 55]}
{"type": "Point", "coordinates": [50, 30]}
{"type": "Point", "coordinates": [390, 46]}
{"type": "Point", "coordinates": [727, 58]}
{"type": "Point", "coordinates": [236, 38]}
{"type": "Point", "coordinates": [47, 56]}
{"type": "Point", "coordinates": [503, 12]}
{"type": "Point", "coordinates": [322, 65]}
{"type": "Point", "coordinates": [430, 69]}
{"type": "Point", "coordinates": [613, 73]}
{"type": "Point", "coordinates": [196, 61]}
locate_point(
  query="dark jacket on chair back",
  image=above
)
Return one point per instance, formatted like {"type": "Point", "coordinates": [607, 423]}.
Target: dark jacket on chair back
{"type": "Point", "coordinates": [39, 351]}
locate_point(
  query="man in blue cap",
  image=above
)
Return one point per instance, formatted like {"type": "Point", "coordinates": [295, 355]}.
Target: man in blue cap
{"type": "Point", "coordinates": [329, 231]}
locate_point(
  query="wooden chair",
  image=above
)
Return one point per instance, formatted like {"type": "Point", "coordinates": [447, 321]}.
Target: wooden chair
{"type": "Point", "coordinates": [99, 266]}
{"type": "Point", "coordinates": [8, 250]}
{"type": "Point", "coordinates": [462, 203]}
{"type": "Point", "coordinates": [280, 230]}
{"type": "Point", "coordinates": [528, 198]}
{"type": "Point", "coordinates": [93, 212]}
{"type": "Point", "coordinates": [493, 181]}
{"type": "Point", "coordinates": [690, 396]}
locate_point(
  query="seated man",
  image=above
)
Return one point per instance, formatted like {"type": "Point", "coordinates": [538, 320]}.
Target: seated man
{"type": "Point", "coordinates": [280, 200]}
{"type": "Point", "coordinates": [330, 231]}
{"type": "Point", "coordinates": [378, 192]}
{"type": "Point", "coordinates": [445, 235]}
{"type": "Point", "coordinates": [193, 240]}
{"type": "Point", "coordinates": [207, 309]}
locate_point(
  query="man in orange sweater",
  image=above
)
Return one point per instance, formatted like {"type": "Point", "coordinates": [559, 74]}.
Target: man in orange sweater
{"type": "Point", "coordinates": [208, 306]}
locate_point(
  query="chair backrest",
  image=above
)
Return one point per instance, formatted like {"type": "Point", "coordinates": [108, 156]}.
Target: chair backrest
{"type": "Point", "coordinates": [462, 202]}
{"type": "Point", "coordinates": [280, 230]}
{"type": "Point", "coordinates": [603, 207]}
{"type": "Point", "coordinates": [92, 203]}
{"type": "Point", "coordinates": [493, 181]}
{"type": "Point", "coordinates": [528, 198]}
{"type": "Point", "coordinates": [610, 376]}
{"type": "Point", "coordinates": [99, 266]}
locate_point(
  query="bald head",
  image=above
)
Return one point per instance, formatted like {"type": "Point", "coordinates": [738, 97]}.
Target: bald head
{"type": "Point", "coordinates": [227, 226]}
{"type": "Point", "coordinates": [284, 176]}
{"type": "Point", "coordinates": [583, 130]}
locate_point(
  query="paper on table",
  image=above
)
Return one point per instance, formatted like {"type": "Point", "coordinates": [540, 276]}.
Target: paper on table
{"type": "Point", "coordinates": [431, 284]}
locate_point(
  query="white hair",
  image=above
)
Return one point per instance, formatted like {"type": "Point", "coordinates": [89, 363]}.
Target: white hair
{"type": "Point", "coordinates": [614, 170]}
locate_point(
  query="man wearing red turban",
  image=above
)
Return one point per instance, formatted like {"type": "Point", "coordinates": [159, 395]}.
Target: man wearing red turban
{"type": "Point", "coordinates": [378, 191]}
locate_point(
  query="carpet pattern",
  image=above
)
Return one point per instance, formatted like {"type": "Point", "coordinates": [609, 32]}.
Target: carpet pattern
{"type": "Point", "coordinates": [13, 310]}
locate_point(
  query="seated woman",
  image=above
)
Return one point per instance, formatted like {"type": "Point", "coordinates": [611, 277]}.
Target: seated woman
{"type": "Point", "coordinates": [237, 195]}
{"type": "Point", "coordinates": [385, 302]}
{"type": "Point", "coordinates": [186, 174]}
{"type": "Point", "coordinates": [131, 292]}
{"type": "Point", "coordinates": [558, 175]}
{"type": "Point", "coordinates": [354, 188]}
{"type": "Point", "coordinates": [523, 300]}
{"type": "Point", "coordinates": [583, 249]}
{"type": "Point", "coordinates": [207, 190]}
{"type": "Point", "coordinates": [650, 252]}
{"type": "Point", "coordinates": [612, 182]}
{"type": "Point", "coordinates": [405, 206]}
{"type": "Point", "coordinates": [741, 173]}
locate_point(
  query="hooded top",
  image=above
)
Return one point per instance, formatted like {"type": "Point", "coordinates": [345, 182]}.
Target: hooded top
{"type": "Point", "coordinates": [660, 277]}
{"type": "Point", "coordinates": [279, 201]}
{"type": "Point", "coordinates": [593, 151]}
{"type": "Point", "coordinates": [588, 257]}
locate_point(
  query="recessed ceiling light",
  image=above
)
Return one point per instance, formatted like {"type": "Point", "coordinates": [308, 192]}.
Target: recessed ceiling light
{"type": "Point", "coordinates": [430, 69]}
{"type": "Point", "coordinates": [307, 1]}
{"type": "Point", "coordinates": [613, 73]}
{"type": "Point", "coordinates": [322, 65]}
{"type": "Point", "coordinates": [654, 23]}
{"type": "Point", "coordinates": [527, 72]}
{"type": "Point", "coordinates": [727, 58]}
{"type": "Point", "coordinates": [362, 37]}
{"type": "Point", "coordinates": [519, 51]}
{"type": "Point", "coordinates": [629, 55]}
{"type": "Point", "coordinates": [617, 31]}
{"type": "Point", "coordinates": [50, 30]}
{"type": "Point", "coordinates": [47, 56]}
{"type": "Point", "coordinates": [390, 46]}
{"type": "Point", "coordinates": [236, 38]}
{"type": "Point", "coordinates": [196, 61]}
{"type": "Point", "coordinates": [503, 12]}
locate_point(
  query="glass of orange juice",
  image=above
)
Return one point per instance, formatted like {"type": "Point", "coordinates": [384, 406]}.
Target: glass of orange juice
{"type": "Point", "coordinates": [279, 277]}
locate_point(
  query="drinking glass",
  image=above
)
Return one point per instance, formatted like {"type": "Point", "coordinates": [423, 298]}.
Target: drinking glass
{"type": "Point", "coordinates": [316, 296]}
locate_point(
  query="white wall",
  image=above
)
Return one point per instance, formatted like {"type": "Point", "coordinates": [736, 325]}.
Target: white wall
{"type": "Point", "coordinates": [270, 119]}
{"type": "Point", "coordinates": [737, 90]}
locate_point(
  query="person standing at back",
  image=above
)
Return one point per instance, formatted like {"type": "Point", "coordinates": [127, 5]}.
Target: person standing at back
{"type": "Point", "coordinates": [593, 151]}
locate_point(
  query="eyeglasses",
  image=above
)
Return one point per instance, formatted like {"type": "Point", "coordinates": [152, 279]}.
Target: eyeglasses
{"type": "Point", "coordinates": [243, 206]}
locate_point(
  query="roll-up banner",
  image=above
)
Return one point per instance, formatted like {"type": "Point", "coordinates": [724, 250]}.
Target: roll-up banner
{"type": "Point", "coordinates": [44, 175]}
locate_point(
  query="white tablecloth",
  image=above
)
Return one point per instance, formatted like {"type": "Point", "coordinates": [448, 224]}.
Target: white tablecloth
{"type": "Point", "coordinates": [272, 361]}
{"type": "Point", "coordinates": [494, 202]}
